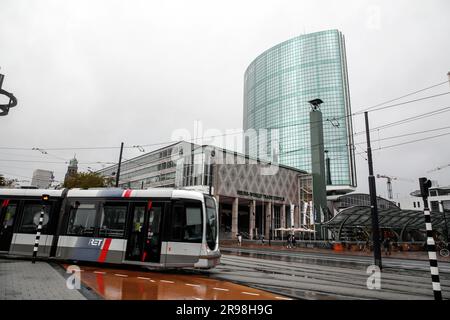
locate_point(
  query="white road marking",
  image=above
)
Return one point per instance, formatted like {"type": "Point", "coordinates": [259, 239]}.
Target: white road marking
{"type": "Point", "coordinates": [100, 272]}
{"type": "Point", "coordinates": [192, 285]}
{"type": "Point", "coordinates": [143, 278]}
{"type": "Point", "coordinates": [281, 298]}
{"type": "Point", "coordinates": [221, 289]}
{"type": "Point", "coordinates": [120, 275]}
{"type": "Point", "coordinates": [250, 293]}
{"type": "Point", "coordinates": [166, 281]}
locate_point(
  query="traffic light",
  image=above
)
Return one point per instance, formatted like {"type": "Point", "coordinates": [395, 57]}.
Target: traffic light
{"type": "Point", "coordinates": [425, 185]}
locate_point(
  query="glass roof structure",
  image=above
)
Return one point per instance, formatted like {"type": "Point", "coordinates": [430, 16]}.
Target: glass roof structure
{"type": "Point", "coordinates": [354, 214]}
{"type": "Point", "coordinates": [392, 218]}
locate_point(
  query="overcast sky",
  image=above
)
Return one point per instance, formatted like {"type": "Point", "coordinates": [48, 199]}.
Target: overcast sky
{"type": "Point", "coordinates": [95, 73]}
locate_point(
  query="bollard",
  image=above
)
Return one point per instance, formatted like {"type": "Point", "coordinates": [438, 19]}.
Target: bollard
{"type": "Point", "coordinates": [38, 235]}
{"type": "Point", "coordinates": [45, 198]}
{"type": "Point", "coordinates": [425, 184]}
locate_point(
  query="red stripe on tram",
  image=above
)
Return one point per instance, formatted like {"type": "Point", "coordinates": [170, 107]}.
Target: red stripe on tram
{"type": "Point", "coordinates": [5, 203]}
{"type": "Point", "coordinates": [127, 193]}
{"type": "Point", "coordinates": [149, 205]}
{"type": "Point", "coordinates": [104, 251]}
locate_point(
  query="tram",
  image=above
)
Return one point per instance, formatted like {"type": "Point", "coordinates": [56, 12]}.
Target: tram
{"type": "Point", "coordinates": [160, 227]}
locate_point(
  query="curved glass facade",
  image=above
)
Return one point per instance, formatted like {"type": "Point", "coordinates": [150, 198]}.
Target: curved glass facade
{"type": "Point", "coordinates": [277, 87]}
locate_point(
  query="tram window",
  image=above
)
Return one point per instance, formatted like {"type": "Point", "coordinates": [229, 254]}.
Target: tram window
{"type": "Point", "coordinates": [82, 219]}
{"type": "Point", "coordinates": [112, 223]}
{"type": "Point", "coordinates": [211, 225]}
{"type": "Point", "coordinates": [9, 216]}
{"type": "Point", "coordinates": [187, 224]}
{"type": "Point", "coordinates": [30, 218]}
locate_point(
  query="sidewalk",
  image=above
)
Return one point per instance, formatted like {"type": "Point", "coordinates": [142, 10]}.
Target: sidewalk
{"type": "Point", "coordinates": [256, 245]}
{"type": "Point", "coordinates": [22, 280]}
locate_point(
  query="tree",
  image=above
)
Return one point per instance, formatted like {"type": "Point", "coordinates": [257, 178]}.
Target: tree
{"type": "Point", "coordinates": [4, 182]}
{"type": "Point", "coordinates": [85, 180]}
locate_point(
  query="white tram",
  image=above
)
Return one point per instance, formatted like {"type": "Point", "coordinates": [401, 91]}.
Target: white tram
{"type": "Point", "coordinates": [159, 227]}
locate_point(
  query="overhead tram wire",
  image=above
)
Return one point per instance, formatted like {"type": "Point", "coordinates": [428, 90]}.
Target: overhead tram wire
{"type": "Point", "coordinates": [407, 95]}
{"type": "Point", "coordinates": [413, 141]}
{"type": "Point", "coordinates": [326, 120]}
{"type": "Point", "coordinates": [226, 134]}
{"type": "Point", "coordinates": [408, 134]}
{"type": "Point", "coordinates": [417, 117]}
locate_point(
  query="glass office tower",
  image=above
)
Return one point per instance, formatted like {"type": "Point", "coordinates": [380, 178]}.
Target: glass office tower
{"type": "Point", "coordinates": [277, 87]}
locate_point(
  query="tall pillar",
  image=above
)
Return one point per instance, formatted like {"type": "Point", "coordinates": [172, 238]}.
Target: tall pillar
{"type": "Point", "coordinates": [283, 216]}
{"type": "Point", "coordinates": [234, 218]}
{"type": "Point", "coordinates": [296, 216]}
{"type": "Point", "coordinates": [318, 165]}
{"type": "Point", "coordinates": [268, 216]}
{"type": "Point", "coordinates": [252, 213]}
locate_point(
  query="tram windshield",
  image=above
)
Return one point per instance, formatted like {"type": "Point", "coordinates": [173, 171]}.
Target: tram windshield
{"type": "Point", "coordinates": [211, 222]}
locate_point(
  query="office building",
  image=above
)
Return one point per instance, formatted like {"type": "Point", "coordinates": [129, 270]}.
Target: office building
{"type": "Point", "coordinates": [277, 87]}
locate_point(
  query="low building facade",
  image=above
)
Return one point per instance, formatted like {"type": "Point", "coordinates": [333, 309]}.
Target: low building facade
{"type": "Point", "coordinates": [255, 198]}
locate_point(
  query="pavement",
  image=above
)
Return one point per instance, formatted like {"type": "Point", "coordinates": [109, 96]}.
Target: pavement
{"type": "Point", "coordinates": [22, 280]}
{"type": "Point", "coordinates": [256, 245]}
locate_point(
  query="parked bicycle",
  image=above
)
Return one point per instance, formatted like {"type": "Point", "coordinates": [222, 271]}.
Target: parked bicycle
{"type": "Point", "coordinates": [442, 248]}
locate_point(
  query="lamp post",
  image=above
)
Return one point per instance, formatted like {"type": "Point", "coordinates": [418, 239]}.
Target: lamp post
{"type": "Point", "coordinates": [373, 200]}
{"type": "Point", "coordinates": [212, 155]}
{"type": "Point", "coordinates": [118, 166]}
{"type": "Point", "coordinates": [445, 221]}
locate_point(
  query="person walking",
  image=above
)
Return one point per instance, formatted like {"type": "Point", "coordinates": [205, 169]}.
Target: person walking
{"type": "Point", "coordinates": [289, 241]}
{"type": "Point", "coordinates": [239, 237]}
{"type": "Point", "coordinates": [387, 246]}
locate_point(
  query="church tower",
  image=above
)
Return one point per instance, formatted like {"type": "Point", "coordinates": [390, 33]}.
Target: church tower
{"type": "Point", "coordinates": [72, 169]}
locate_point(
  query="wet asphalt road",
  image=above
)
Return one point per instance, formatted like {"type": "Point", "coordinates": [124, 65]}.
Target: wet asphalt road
{"type": "Point", "coordinates": [328, 276]}
{"type": "Point", "coordinates": [129, 284]}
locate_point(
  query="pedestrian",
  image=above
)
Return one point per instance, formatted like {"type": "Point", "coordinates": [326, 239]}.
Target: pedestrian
{"type": "Point", "coordinates": [239, 237]}
{"type": "Point", "coordinates": [262, 239]}
{"type": "Point", "coordinates": [367, 246]}
{"type": "Point", "coordinates": [293, 241]}
{"type": "Point", "coordinates": [387, 246]}
{"type": "Point", "coordinates": [289, 241]}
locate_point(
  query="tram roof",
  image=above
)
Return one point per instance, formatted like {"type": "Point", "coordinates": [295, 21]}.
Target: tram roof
{"type": "Point", "coordinates": [139, 193]}
{"type": "Point", "coordinates": [393, 217]}
{"type": "Point", "coordinates": [31, 192]}
{"type": "Point", "coordinates": [107, 193]}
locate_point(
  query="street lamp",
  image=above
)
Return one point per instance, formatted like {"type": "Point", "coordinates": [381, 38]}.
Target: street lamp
{"type": "Point", "coordinates": [4, 108]}
{"type": "Point", "coordinates": [315, 104]}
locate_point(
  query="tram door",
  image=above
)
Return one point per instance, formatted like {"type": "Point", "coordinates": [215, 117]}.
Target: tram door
{"type": "Point", "coordinates": [7, 216]}
{"type": "Point", "coordinates": [144, 242]}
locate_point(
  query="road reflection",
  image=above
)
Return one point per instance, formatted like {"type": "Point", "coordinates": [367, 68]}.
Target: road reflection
{"type": "Point", "coordinates": [120, 284]}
